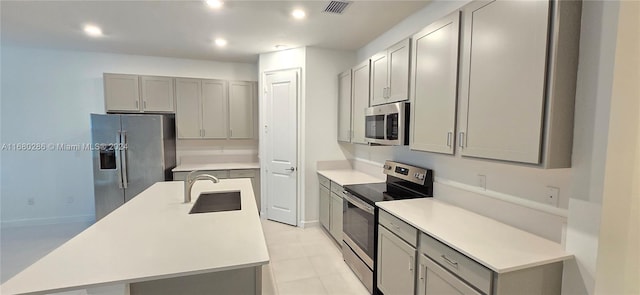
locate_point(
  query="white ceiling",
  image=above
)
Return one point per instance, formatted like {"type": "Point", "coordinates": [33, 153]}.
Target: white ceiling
{"type": "Point", "coordinates": [186, 29]}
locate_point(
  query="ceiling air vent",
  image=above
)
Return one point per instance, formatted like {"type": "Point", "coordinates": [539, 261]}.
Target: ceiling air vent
{"type": "Point", "coordinates": [337, 7]}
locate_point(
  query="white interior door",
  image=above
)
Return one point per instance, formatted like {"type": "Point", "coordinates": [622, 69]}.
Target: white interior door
{"type": "Point", "coordinates": [281, 129]}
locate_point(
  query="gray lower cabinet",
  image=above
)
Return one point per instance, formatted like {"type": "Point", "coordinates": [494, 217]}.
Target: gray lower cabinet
{"type": "Point", "coordinates": [397, 242]}
{"type": "Point", "coordinates": [331, 207]}
{"type": "Point", "coordinates": [253, 174]}
{"type": "Point", "coordinates": [325, 207]}
{"type": "Point", "coordinates": [435, 280]}
{"type": "Point", "coordinates": [440, 269]}
{"type": "Point", "coordinates": [396, 264]}
{"type": "Point", "coordinates": [336, 217]}
{"type": "Point", "coordinates": [444, 270]}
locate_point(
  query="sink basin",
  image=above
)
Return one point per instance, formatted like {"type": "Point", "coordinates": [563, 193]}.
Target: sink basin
{"type": "Point", "coordinates": [216, 202]}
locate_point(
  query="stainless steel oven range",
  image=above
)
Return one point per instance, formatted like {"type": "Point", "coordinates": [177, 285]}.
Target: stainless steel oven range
{"type": "Point", "coordinates": [361, 214]}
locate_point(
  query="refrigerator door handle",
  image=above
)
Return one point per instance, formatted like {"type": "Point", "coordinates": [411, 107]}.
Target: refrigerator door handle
{"type": "Point", "coordinates": [118, 164]}
{"type": "Point", "coordinates": [123, 153]}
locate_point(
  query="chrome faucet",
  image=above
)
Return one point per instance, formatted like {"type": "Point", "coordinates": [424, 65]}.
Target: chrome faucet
{"type": "Point", "coordinates": [189, 181]}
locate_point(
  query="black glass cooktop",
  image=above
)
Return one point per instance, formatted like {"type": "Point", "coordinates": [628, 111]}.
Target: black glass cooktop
{"type": "Point", "coordinates": [376, 192]}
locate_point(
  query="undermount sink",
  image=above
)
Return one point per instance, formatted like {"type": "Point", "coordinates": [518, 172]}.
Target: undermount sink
{"type": "Point", "coordinates": [216, 202]}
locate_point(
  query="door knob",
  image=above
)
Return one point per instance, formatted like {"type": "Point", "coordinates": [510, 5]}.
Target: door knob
{"type": "Point", "coordinates": [291, 169]}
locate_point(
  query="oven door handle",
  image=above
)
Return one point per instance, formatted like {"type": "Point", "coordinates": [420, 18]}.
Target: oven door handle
{"type": "Point", "coordinates": [358, 203]}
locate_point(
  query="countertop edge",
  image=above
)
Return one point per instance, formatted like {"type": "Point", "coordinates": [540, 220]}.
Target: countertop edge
{"type": "Point", "coordinates": [216, 166]}
{"type": "Point", "coordinates": [483, 262]}
{"type": "Point", "coordinates": [367, 178]}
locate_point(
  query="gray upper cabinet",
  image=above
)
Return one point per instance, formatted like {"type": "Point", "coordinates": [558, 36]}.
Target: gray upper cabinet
{"type": "Point", "coordinates": [390, 74]}
{"type": "Point", "coordinates": [202, 108]}
{"type": "Point", "coordinates": [517, 87]}
{"type": "Point", "coordinates": [157, 94]}
{"type": "Point", "coordinates": [214, 109]}
{"type": "Point", "coordinates": [188, 109]}
{"type": "Point", "coordinates": [241, 109]}
{"type": "Point", "coordinates": [399, 56]}
{"type": "Point", "coordinates": [434, 78]}
{"type": "Point", "coordinates": [133, 93]}
{"type": "Point", "coordinates": [344, 106]}
{"type": "Point", "coordinates": [360, 101]}
{"type": "Point", "coordinates": [379, 70]}
{"type": "Point", "coordinates": [121, 93]}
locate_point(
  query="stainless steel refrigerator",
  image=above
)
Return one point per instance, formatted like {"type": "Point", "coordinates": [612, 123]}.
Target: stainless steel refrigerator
{"type": "Point", "coordinates": [130, 153]}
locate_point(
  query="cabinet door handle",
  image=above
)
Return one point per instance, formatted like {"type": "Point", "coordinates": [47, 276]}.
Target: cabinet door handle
{"type": "Point", "coordinates": [411, 263]}
{"type": "Point", "coordinates": [144, 105]}
{"type": "Point", "coordinates": [137, 105]}
{"type": "Point", "coordinates": [230, 132]}
{"type": "Point", "coordinates": [461, 139]}
{"type": "Point", "coordinates": [421, 272]}
{"type": "Point", "coordinates": [449, 136]}
{"type": "Point", "coordinates": [448, 260]}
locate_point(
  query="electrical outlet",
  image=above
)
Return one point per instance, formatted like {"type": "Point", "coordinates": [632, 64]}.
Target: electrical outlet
{"type": "Point", "coordinates": [31, 201]}
{"type": "Point", "coordinates": [553, 193]}
{"type": "Point", "coordinates": [482, 181]}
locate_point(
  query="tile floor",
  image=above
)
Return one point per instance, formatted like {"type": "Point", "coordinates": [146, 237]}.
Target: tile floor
{"type": "Point", "coordinates": [307, 261]}
{"type": "Point", "coordinates": [303, 261]}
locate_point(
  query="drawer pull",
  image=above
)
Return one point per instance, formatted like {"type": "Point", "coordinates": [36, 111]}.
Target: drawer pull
{"type": "Point", "coordinates": [453, 263]}
{"type": "Point", "coordinates": [411, 263]}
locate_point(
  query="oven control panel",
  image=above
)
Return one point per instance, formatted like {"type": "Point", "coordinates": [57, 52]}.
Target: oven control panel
{"type": "Point", "coordinates": [407, 172]}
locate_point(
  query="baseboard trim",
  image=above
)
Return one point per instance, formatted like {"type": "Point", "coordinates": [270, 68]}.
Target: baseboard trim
{"type": "Point", "coordinates": [46, 221]}
{"type": "Point", "coordinates": [309, 223]}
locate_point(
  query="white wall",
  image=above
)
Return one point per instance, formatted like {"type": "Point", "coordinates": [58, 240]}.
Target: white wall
{"type": "Point", "coordinates": [47, 96]}
{"type": "Point", "coordinates": [593, 98]}
{"type": "Point", "coordinates": [618, 262]}
{"type": "Point", "coordinates": [321, 113]}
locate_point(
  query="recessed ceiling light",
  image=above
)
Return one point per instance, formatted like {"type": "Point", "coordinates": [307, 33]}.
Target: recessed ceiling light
{"type": "Point", "coordinates": [298, 14]}
{"type": "Point", "coordinates": [221, 42]}
{"type": "Point", "coordinates": [214, 3]}
{"type": "Point", "coordinates": [93, 31]}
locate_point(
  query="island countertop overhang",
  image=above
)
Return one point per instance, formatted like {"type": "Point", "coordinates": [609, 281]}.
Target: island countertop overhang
{"type": "Point", "coordinates": [153, 236]}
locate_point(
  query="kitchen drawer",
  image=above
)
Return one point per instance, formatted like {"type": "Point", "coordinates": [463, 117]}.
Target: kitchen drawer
{"type": "Point", "coordinates": [220, 174]}
{"type": "Point", "coordinates": [247, 173]}
{"type": "Point", "coordinates": [454, 261]}
{"type": "Point", "coordinates": [336, 188]}
{"type": "Point", "coordinates": [324, 181]}
{"type": "Point", "coordinates": [399, 227]}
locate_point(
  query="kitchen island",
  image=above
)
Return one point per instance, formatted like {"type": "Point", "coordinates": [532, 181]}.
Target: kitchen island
{"type": "Point", "coordinates": [153, 244]}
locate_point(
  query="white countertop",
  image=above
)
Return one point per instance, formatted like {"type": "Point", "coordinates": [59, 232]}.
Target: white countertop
{"type": "Point", "coordinates": [497, 246]}
{"type": "Point", "coordinates": [153, 236]}
{"type": "Point", "coordinates": [216, 166]}
{"type": "Point", "coordinates": [349, 176]}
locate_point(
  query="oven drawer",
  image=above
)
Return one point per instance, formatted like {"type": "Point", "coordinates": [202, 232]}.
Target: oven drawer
{"type": "Point", "coordinates": [324, 181]}
{"type": "Point", "coordinates": [337, 189]}
{"type": "Point", "coordinates": [457, 263]}
{"type": "Point", "coordinates": [399, 227]}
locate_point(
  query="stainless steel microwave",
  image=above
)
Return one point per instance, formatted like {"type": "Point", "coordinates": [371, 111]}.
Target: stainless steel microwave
{"type": "Point", "coordinates": [387, 124]}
